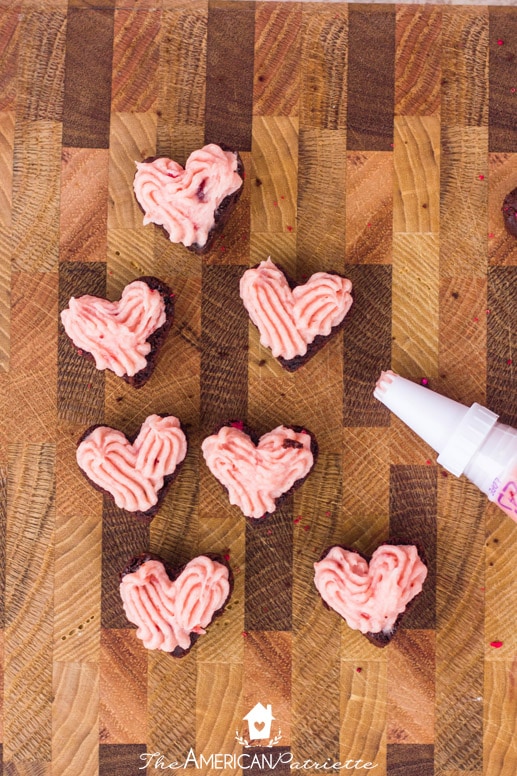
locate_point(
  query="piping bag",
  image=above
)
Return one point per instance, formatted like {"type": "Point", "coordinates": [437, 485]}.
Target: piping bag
{"type": "Point", "coordinates": [468, 440]}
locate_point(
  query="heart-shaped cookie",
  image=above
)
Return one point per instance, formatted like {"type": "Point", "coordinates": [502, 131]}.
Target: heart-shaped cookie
{"type": "Point", "coordinates": [124, 336]}
{"type": "Point", "coordinates": [258, 472]}
{"type": "Point", "coordinates": [135, 474]}
{"type": "Point", "coordinates": [372, 596]}
{"type": "Point", "coordinates": [194, 202]}
{"type": "Point", "coordinates": [171, 609]}
{"type": "Point", "coordinates": [294, 321]}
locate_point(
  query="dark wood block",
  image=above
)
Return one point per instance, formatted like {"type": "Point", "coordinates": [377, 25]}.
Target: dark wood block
{"type": "Point", "coordinates": [224, 347]}
{"type": "Point", "coordinates": [88, 62]}
{"type": "Point", "coordinates": [121, 759]}
{"type": "Point", "coordinates": [269, 557]}
{"type": "Point", "coordinates": [502, 129]}
{"type": "Point", "coordinates": [413, 505]}
{"type": "Point", "coordinates": [371, 77]}
{"type": "Point", "coordinates": [501, 396]}
{"type": "Point", "coordinates": [410, 760]}
{"type": "Point", "coordinates": [367, 344]}
{"type": "Point", "coordinates": [229, 77]}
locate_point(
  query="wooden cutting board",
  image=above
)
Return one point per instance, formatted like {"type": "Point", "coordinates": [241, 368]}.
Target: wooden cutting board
{"type": "Point", "coordinates": [378, 141]}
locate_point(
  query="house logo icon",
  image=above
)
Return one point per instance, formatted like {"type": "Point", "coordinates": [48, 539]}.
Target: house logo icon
{"type": "Point", "coordinates": [259, 721]}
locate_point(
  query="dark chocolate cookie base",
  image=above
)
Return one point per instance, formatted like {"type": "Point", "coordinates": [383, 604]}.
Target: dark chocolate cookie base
{"type": "Point", "coordinates": [509, 211]}
{"type": "Point", "coordinates": [380, 639]}
{"type": "Point", "coordinates": [255, 439]}
{"type": "Point", "coordinates": [148, 515]}
{"type": "Point", "coordinates": [138, 560]}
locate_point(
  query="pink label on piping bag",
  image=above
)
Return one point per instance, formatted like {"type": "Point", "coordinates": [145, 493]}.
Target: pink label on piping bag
{"type": "Point", "coordinates": [506, 498]}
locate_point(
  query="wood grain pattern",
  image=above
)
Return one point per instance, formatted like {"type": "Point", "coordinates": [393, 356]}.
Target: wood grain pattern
{"type": "Point", "coordinates": [369, 207]}
{"type": "Point", "coordinates": [371, 55]}
{"type": "Point", "coordinates": [368, 344]}
{"type": "Point", "coordinates": [323, 101]}
{"type": "Point", "coordinates": [229, 79]}
{"type": "Point", "coordinates": [76, 708]}
{"type": "Point", "coordinates": [87, 91]}
{"type": "Point", "coordinates": [378, 141]}
{"type": "Point", "coordinates": [28, 602]}
{"type": "Point", "coordinates": [503, 70]}
{"type": "Point", "coordinates": [417, 71]}
{"type": "Point", "coordinates": [276, 88]}
{"type": "Point", "coordinates": [500, 348]}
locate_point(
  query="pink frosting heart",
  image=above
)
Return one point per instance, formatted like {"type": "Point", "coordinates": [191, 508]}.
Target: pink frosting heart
{"type": "Point", "coordinates": [257, 475]}
{"type": "Point", "coordinates": [290, 320]}
{"type": "Point", "coordinates": [116, 333]}
{"type": "Point", "coordinates": [167, 612]}
{"type": "Point", "coordinates": [133, 473]}
{"type": "Point", "coordinates": [370, 597]}
{"type": "Point", "coordinates": [184, 201]}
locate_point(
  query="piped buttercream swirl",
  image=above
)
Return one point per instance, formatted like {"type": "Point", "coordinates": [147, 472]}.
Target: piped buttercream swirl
{"type": "Point", "coordinates": [290, 320]}
{"type": "Point", "coordinates": [116, 333]}
{"type": "Point", "coordinates": [133, 473]}
{"type": "Point", "coordinates": [167, 612]}
{"type": "Point", "coordinates": [257, 475]}
{"type": "Point", "coordinates": [184, 201]}
{"type": "Point", "coordinates": [370, 597]}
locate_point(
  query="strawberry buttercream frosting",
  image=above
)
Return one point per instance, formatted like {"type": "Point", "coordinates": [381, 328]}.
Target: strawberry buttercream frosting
{"type": "Point", "coordinates": [133, 473]}
{"type": "Point", "coordinates": [116, 333]}
{"type": "Point", "coordinates": [290, 320]}
{"type": "Point", "coordinates": [370, 597]}
{"type": "Point", "coordinates": [257, 475]}
{"type": "Point", "coordinates": [184, 200]}
{"type": "Point", "coordinates": [167, 612]}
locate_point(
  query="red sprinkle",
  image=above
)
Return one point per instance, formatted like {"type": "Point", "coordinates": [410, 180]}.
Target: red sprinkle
{"type": "Point", "coordinates": [487, 312]}
{"type": "Point", "coordinates": [245, 634]}
{"type": "Point", "coordinates": [238, 424]}
{"type": "Point", "coordinates": [289, 228]}
{"type": "Point", "coordinates": [496, 644]}
{"type": "Point", "coordinates": [491, 235]}
{"type": "Point", "coordinates": [424, 381]}
{"type": "Point", "coordinates": [306, 527]}
{"type": "Point", "coordinates": [275, 203]}
{"type": "Point", "coordinates": [297, 519]}
{"type": "Point", "coordinates": [509, 361]}
{"type": "Point", "coordinates": [80, 352]}
{"type": "Point", "coordinates": [428, 462]}
{"type": "Point", "coordinates": [500, 42]}
{"type": "Point", "coordinates": [481, 177]}
{"type": "Point", "coordinates": [358, 669]}
{"type": "Point", "coordinates": [476, 319]}
{"type": "Point", "coordinates": [226, 556]}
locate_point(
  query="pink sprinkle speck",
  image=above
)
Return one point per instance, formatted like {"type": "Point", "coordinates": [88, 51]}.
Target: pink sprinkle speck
{"type": "Point", "coordinates": [275, 203]}
{"type": "Point", "coordinates": [297, 519]}
{"type": "Point", "coordinates": [500, 42]}
{"type": "Point", "coordinates": [481, 177]}
{"type": "Point", "coordinates": [428, 462]}
{"type": "Point", "coordinates": [245, 634]}
{"type": "Point", "coordinates": [496, 644]}
{"type": "Point", "coordinates": [513, 90]}
{"type": "Point", "coordinates": [476, 319]}
{"type": "Point", "coordinates": [226, 556]}
{"type": "Point", "coordinates": [238, 424]}
{"type": "Point", "coordinates": [424, 381]}
{"type": "Point", "coordinates": [509, 361]}
{"type": "Point", "coordinates": [491, 235]}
